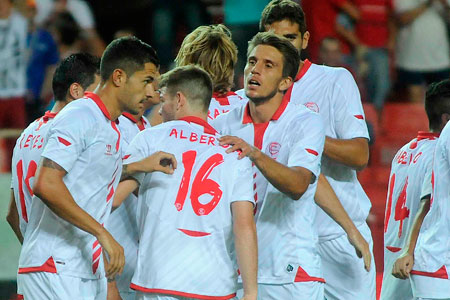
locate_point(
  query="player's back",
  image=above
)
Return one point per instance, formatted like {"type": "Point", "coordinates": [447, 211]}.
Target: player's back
{"type": "Point", "coordinates": [185, 218]}
{"type": "Point", "coordinates": [221, 104]}
{"type": "Point", "coordinates": [26, 157]}
{"type": "Point", "coordinates": [408, 172]}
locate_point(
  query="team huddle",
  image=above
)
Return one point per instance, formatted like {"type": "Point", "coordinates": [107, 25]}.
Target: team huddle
{"type": "Point", "coordinates": [248, 195]}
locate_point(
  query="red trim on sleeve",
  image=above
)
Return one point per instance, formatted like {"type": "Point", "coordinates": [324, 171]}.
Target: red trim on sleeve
{"type": "Point", "coordinates": [99, 103]}
{"type": "Point", "coordinates": [314, 152]}
{"type": "Point", "coordinates": [441, 273]}
{"type": "Point", "coordinates": [48, 266]}
{"type": "Point", "coordinates": [126, 156]}
{"type": "Point", "coordinates": [181, 294]}
{"type": "Point", "coordinates": [64, 141]}
{"type": "Point", "coordinates": [302, 276]}
{"type": "Point", "coordinates": [360, 117]}
{"type": "Point", "coordinates": [393, 249]}
{"type": "Point", "coordinates": [193, 233]}
{"type": "Point", "coordinates": [207, 128]}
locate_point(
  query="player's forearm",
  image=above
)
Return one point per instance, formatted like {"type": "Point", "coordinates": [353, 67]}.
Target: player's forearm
{"type": "Point", "coordinates": [327, 200]}
{"type": "Point", "coordinates": [124, 189]}
{"type": "Point", "coordinates": [409, 16]}
{"type": "Point", "coordinates": [351, 10]}
{"type": "Point", "coordinates": [353, 153]}
{"type": "Point", "coordinates": [13, 218]}
{"type": "Point", "coordinates": [291, 181]}
{"type": "Point", "coordinates": [417, 224]}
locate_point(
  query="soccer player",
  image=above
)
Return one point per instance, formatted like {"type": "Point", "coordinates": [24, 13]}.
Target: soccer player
{"type": "Point", "coordinates": [425, 254]}
{"type": "Point", "coordinates": [332, 92]}
{"type": "Point", "coordinates": [79, 171]}
{"type": "Point", "coordinates": [211, 48]}
{"type": "Point", "coordinates": [75, 75]}
{"type": "Point", "coordinates": [189, 220]}
{"type": "Point", "coordinates": [122, 223]}
{"type": "Point", "coordinates": [285, 142]}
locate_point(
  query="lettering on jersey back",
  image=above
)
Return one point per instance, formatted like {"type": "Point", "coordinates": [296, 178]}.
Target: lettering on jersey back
{"type": "Point", "coordinates": [194, 137]}
{"type": "Point", "coordinates": [217, 112]}
{"type": "Point", "coordinates": [406, 158]}
{"type": "Point", "coordinates": [32, 142]}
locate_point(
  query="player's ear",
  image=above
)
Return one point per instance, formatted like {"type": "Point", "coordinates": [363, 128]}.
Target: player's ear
{"type": "Point", "coordinates": [76, 91]}
{"type": "Point", "coordinates": [181, 100]}
{"type": "Point", "coordinates": [285, 83]}
{"type": "Point", "coordinates": [305, 40]}
{"type": "Point", "coordinates": [119, 77]}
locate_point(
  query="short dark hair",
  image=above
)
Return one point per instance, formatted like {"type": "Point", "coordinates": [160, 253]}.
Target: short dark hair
{"type": "Point", "coordinates": [291, 57]}
{"type": "Point", "coordinates": [279, 10]}
{"type": "Point", "coordinates": [129, 54]}
{"type": "Point", "coordinates": [80, 68]}
{"type": "Point", "coordinates": [194, 82]}
{"type": "Point", "coordinates": [437, 102]}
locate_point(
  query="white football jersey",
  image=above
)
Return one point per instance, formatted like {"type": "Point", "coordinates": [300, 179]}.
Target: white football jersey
{"type": "Point", "coordinates": [432, 252]}
{"type": "Point", "coordinates": [287, 239]}
{"type": "Point", "coordinates": [184, 219]}
{"type": "Point", "coordinates": [26, 157]}
{"type": "Point", "coordinates": [122, 223]}
{"type": "Point", "coordinates": [221, 104]}
{"type": "Point", "coordinates": [84, 141]}
{"type": "Point", "coordinates": [408, 172]}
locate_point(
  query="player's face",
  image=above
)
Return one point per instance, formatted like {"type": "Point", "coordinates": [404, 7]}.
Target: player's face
{"type": "Point", "coordinates": [168, 105]}
{"type": "Point", "coordinates": [263, 73]}
{"type": "Point", "coordinates": [155, 98]}
{"type": "Point", "coordinates": [139, 89]}
{"type": "Point", "coordinates": [291, 31]}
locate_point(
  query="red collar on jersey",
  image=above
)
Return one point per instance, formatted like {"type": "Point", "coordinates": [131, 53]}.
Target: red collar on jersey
{"type": "Point", "coordinates": [132, 119]}
{"type": "Point", "coordinates": [207, 128]}
{"type": "Point", "coordinates": [299, 76]}
{"type": "Point", "coordinates": [223, 98]}
{"type": "Point", "coordinates": [248, 118]}
{"type": "Point", "coordinates": [49, 115]}
{"type": "Point", "coordinates": [99, 103]}
{"type": "Point", "coordinates": [427, 135]}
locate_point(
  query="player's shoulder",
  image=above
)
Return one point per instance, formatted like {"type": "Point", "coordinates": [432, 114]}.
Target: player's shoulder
{"type": "Point", "coordinates": [232, 117]}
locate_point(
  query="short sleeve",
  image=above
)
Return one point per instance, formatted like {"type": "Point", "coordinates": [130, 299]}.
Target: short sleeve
{"type": "Point", "coordinates": [67, 139]}
{"type": "Point", "coordinates": [243, 181]}
{"type": "Point", "coordinates": [427, 186]}
{"type": "Point", "coordinates": [401, 6]}
{"type": "Point", "coordinates": [138, 150]}
{"type": "Point", "coordinates": [306, 142]}
{"type": "Point", "coordinates": [349, 114]}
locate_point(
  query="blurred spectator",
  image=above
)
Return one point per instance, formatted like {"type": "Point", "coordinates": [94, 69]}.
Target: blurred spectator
{"type": "Point", "coordinates": [422, 47]}
{"type": "Point", "coordinates": [243, 27]}
{"type": "Point", "coordinates": [330, 53]}
{"type": "Point", "coordinates": [81, 12]}
{"type": "Point", "coordinates": [124, 32]}
{"type": "Point", "coordinates": [13, 35]}
{"type": "Point", "coordinates": [66, 33]}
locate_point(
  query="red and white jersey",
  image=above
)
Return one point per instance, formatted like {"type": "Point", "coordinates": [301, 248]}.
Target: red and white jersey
{"type": "Point", "coordinates": [122, 223]}
{"type": "Point", "coordinates": [221, 104]}
{"type": "Point", "coordinates": [26, 157]}
{"type": "Point", "coordinates": [408, 171]}
{"type": "Point", "coordinates": [84, 141]}
{"type": "Point", "coordinates": [287, 239]}
{"type": "Point", "coordinates": [185, 222]}
{"type": "Point", "coordinates": [432, 252]}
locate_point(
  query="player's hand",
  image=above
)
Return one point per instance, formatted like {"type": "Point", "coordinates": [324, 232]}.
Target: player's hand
{"type": "Point", "coordinates": [403, 266]}
{"type": "Point", "coordinates": [115, 254]}
{"type": "Point", "coordinates": [361, 247]}
{"type": "Point", "coordinates": [238, 144]}
{"type": "Point", "coordinates": [113, 291]}
{"type": "Point", "coordinates": [159, 161]}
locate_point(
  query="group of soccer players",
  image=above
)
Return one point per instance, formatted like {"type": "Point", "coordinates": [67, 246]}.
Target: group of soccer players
{"type": "Point", "coordinates": [249, 195]}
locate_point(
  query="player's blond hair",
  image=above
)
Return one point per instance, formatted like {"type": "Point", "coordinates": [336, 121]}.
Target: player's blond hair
{"type": "Point", "coordinates": [211, 48]}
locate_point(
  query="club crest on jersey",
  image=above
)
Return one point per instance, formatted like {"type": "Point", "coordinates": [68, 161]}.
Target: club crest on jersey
{"type": "Point", "coordinates": [108, 149]}
{"type": "Point", "coordinates": [312, 106]}
{"type": "Point", "coordinates": [274, 149]}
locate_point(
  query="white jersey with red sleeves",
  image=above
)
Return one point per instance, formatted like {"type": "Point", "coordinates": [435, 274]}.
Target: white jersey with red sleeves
{"type": "Point", "coordinates": [408, 172]}
{"type": "Point", "coordinates": [185, 222]}
{"type": "Point", "coordinates": [122, 223]}
{"type": "Point", "coordinates": [221, 104]}
{"type": "Point", "coordinates": [26, 157]}
{"type": "Point", "coordinates": [432, 252]}
{"type": "Point", "coordinates": [287, 239]}
{"type": "Point", "coordinates": [86, 144]}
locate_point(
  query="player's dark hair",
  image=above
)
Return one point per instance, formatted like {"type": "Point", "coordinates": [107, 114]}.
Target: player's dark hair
{"type": "Point", "coordinates": [194, 82]}
{"type": "Point", "coordinates": [77, 68]}
{"type": "Point", "coordinates": [67, 28]}
{"type": "Point", "coordinates": [129, 54]}
{"type": "Point", "coordinates": [291, 57]}
{"type": "Point", "coordinates": [437, 103]}
{"type": "Point", "coordinates": [279, 10]}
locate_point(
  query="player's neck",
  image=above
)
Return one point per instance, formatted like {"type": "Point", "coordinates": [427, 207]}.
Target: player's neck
{"type": "Point", "coordinates": [302, 63]}
{"type": "Point", "coordinates": [110, 100]}
{"type": "Point", "coordinates": [263, 112]}
{"type": "Point", "coordinates": [59, 105]}
{"type": "Point", "coordinates": [191, 113]}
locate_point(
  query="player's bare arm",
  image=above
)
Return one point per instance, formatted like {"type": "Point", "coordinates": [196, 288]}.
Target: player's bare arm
{"type": "Point", "coordinates": [244, 229]}
{"type": "Point", "coordinates": [13, 218]}
{"type": "Point", "coordinates": [292, 181]}
{"type": "Point", "coordinates": [124, 189]}
{"type": "Point", "coordinates": [327, 200]}
{"type": "Point", "coordinates": [353, 153]}
{"type": "Point", "coordinates": [50, 188]}
{"type": "Point", "coordinates": [158, 161]}
{"type": "Point", "coordinates": [405, 262]}
{"type": "Point", "coordinates": [409, 16]}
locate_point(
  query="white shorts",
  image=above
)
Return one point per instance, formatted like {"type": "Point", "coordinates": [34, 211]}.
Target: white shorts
{"type": "Point", "coordinates": [311, 290]}
{"type": "Point", "coordinates": [152, 296]}
{"type": "Point", "coordinates": [430, 287]}
{"type": "Point", "coordinates": [394, 288]}
{"type": "Point", "coordinates": [50, 286]}
{"type": "Point", "coordinates": [344, 271]}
